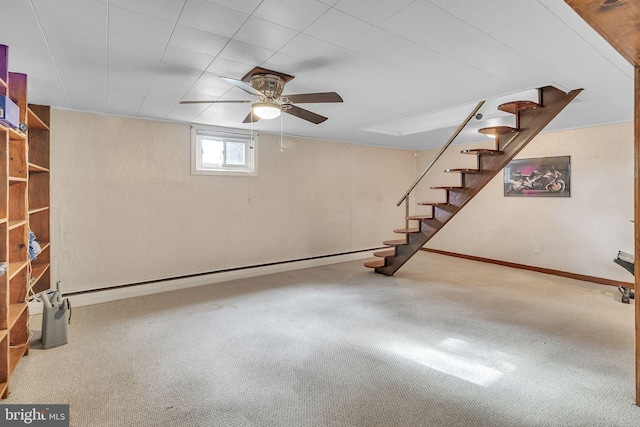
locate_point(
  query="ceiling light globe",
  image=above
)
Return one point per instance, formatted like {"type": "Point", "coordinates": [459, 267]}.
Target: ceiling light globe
{"type": "Point", "coordinates": [266, 110]}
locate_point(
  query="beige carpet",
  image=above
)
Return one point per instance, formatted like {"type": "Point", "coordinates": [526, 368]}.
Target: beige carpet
{"type": "Point", "coordinates": [446, 342]}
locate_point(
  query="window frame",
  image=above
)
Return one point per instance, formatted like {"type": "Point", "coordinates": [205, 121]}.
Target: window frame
{"type": "Point", "coordinates": [250, 139]}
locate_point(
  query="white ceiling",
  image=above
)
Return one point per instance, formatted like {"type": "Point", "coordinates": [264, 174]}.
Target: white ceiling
{"type": "Point", "coordinates": [393, 62]}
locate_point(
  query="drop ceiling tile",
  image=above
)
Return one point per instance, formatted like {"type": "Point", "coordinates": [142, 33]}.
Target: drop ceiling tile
{"type": "Point", "coordinates": [595, 76]}
{"type": "Point", "coordinates": [373, 12]}
{"type": "Point", "coordinates": [288, 64]}
{"type": "Point", "coordinates": [377, 43]}
{"type": "Point", "coordinates": [183, 58]}
{"type": "Point", "coordinates": [197, 40]}
{"type": "Point", "coordinates": [132, 64]}
{"type": "Point", "coordinates": [460, 7]}
{"type": "Point", "coordinates": [212, 17]}
{"type": "Point", "coordinates": [226, 68]}
{"type": "Point", "coordinates": [417, 19]}
{"type": "Point", "coordinates": [574, 22]}
{"type": "Point", "coordinates": [85, 12]}
{"type": "Point", "coordinates": [316, 51]}
{"type": "Point", "coordinates": [246, 53]}
{"type": "Point", "coordinates": [479, 50]}
{"type": "Point", "coordinates": [87, 88]}
{"type": "Point", "coordinates": [79, 61]}
{"type": "Point", "coordinates": [266, 34]}
{"type": "Point", "coordinates": [538, 48]}
{"type": "Point", "coordinates": [213, 80]}
{"type": "Point", "coordinates": [338, 28]}
{"type": "Point", "coordinates": [43, 90]}
{"type": "Point", "coordinates": [126, 90]}
{"type": "Point", "coordinates": [246, 6]}
{"type": "Point", "coordinates": [187, 113]}
{"type": "Point", "coordinates": [167, 89]}
{"type": "Point", "coordinates": [22, 31]}
{"type": "Point", "coordinates": [168, 10]}
{"type": "Point", "coordinates": [132, 53]}
{"type": "Point", "coordinates": [294, 14]}
{"type": "Point", "coordinates": [498, 13]}
{"type": "Point", "coordinates": [134, 24]}
{"type": "Point", "coordinates": [204, 92]}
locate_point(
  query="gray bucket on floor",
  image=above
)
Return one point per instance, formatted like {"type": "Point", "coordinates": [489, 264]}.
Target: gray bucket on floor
{"type": "Point", "coordinates": [55, 318]}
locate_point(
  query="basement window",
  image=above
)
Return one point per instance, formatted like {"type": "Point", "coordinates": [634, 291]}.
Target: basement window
{"type": "Point", "coordinates": [220, 151]}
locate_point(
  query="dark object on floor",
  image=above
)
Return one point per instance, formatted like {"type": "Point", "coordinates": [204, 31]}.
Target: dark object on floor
{"type": "Point", "coordinates": [626, 294]}
{"type": "Point", "coordinates": [626, 260]}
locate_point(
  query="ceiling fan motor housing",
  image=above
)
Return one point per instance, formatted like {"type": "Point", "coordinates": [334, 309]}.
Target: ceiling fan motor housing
{"type": "Point", "coordinates": [270, 85]}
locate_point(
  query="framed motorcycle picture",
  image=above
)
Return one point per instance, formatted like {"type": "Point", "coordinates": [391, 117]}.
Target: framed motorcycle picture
{"type": "Point", "coordinates": [539, 177]}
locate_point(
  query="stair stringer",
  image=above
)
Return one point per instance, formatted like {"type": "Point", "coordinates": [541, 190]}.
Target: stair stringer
{"type": "Point", "coordinates": [531, 123]}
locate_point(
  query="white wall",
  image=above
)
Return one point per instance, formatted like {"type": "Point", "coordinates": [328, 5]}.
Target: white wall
{"type": "Point", "coordinates": [126, 209]}
{"type": "Point", "coordinates": [580, 234]}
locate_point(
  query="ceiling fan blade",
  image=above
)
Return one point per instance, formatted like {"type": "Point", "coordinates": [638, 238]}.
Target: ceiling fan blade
{"type": "Point", "coordinates": [305, 114]}
{"type": "Point", "coordinates": [242, 85]}
{"type": "Point", "coordinates": [314, 97]}
{"type": "Point", "coordinates": [213, 102]}
{"type": "Point", "coordinates": [251, 118]}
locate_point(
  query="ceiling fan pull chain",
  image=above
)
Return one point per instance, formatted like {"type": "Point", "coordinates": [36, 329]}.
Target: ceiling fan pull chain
{"type": "Point", "coordinates": [281, 147]}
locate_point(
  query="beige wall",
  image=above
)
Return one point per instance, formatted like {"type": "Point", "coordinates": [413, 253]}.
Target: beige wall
{"type": "Point", "coordinates": [581, 234]}
{"type": "Point", "coordinates": [126, 209]}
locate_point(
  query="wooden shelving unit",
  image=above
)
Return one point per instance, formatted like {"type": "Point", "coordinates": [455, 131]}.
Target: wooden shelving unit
{"type": "Point", "coordinates": [24, 207]}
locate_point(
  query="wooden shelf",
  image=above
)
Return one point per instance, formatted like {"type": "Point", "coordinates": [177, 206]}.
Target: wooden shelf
{"type": "Point", "coordinates": [15, 354]}
{"type": "Point", "coordinates": [16, 135]}
{"type": "Point", "coordinates": [15, 311]}
{"type": "Point", "coordinates": [33, 168]}
{"type": "Point", "coordinates": [37, 271]}
{"type": "Point", "coordinates": [16, 223]}
{"type": "Point", "coordinates": [35, 211]}
{"type": "Point", "coordinates": [35, 122]}
{"type": "Point", "coordinates": [16, 267]}
{"type": "Point", "coordinates": [24, 192]}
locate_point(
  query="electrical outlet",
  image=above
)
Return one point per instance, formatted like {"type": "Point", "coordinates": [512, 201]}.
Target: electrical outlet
{"type": "Point", "coordinates": [536, 249]}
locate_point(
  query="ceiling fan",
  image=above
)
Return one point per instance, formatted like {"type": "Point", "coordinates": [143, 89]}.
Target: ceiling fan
{"type": "Point", "coordinates": [268, 85]}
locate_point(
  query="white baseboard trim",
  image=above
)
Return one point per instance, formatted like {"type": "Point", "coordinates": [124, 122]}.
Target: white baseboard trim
{"type": "Point", "coordinates": [107, 295]}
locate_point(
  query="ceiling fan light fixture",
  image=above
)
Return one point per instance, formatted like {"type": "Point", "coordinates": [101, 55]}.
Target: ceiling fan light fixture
{"type": "Point", "coordinates": [266, 109]}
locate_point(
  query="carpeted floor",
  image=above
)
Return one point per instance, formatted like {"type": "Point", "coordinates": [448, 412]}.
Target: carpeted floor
{"type": "Point", "coordinates": [446, 342]}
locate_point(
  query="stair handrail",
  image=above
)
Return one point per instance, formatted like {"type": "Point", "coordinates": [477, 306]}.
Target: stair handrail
{"type": "Point", "coordinates": [442, 150]}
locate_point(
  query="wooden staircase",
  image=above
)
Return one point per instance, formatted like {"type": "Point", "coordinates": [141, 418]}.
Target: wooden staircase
{"type": "Point", "coordinates": [530, 118]}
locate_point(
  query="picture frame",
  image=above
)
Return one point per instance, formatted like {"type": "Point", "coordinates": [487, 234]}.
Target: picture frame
{"type": "Point", "coordinates": [538, 177]}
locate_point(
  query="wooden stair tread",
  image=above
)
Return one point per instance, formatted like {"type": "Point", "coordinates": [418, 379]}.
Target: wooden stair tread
{"type": "Point", "coordinates": [385, 254]}
{"type": "Point", "coordinates": [398, 242]}
{"type": "Point", "coordinates": [497, 130]}
{"type": "Point", "coordinates": [432, 203]}
{"type": "Point", "coordinates": [462, 170]}
{"type": "Point", "coordinates": [448, 187]}
{"type": "Point", "coordinates": [418, 217]}
{"type": "Point", "coordinates": [482, 152]}
{"type": "Point", "coordinates": [407, 230]}
{"type": "Point", "coordinates": [515, 106]}
{"type": "Point", "coordinates": [375, 264]}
